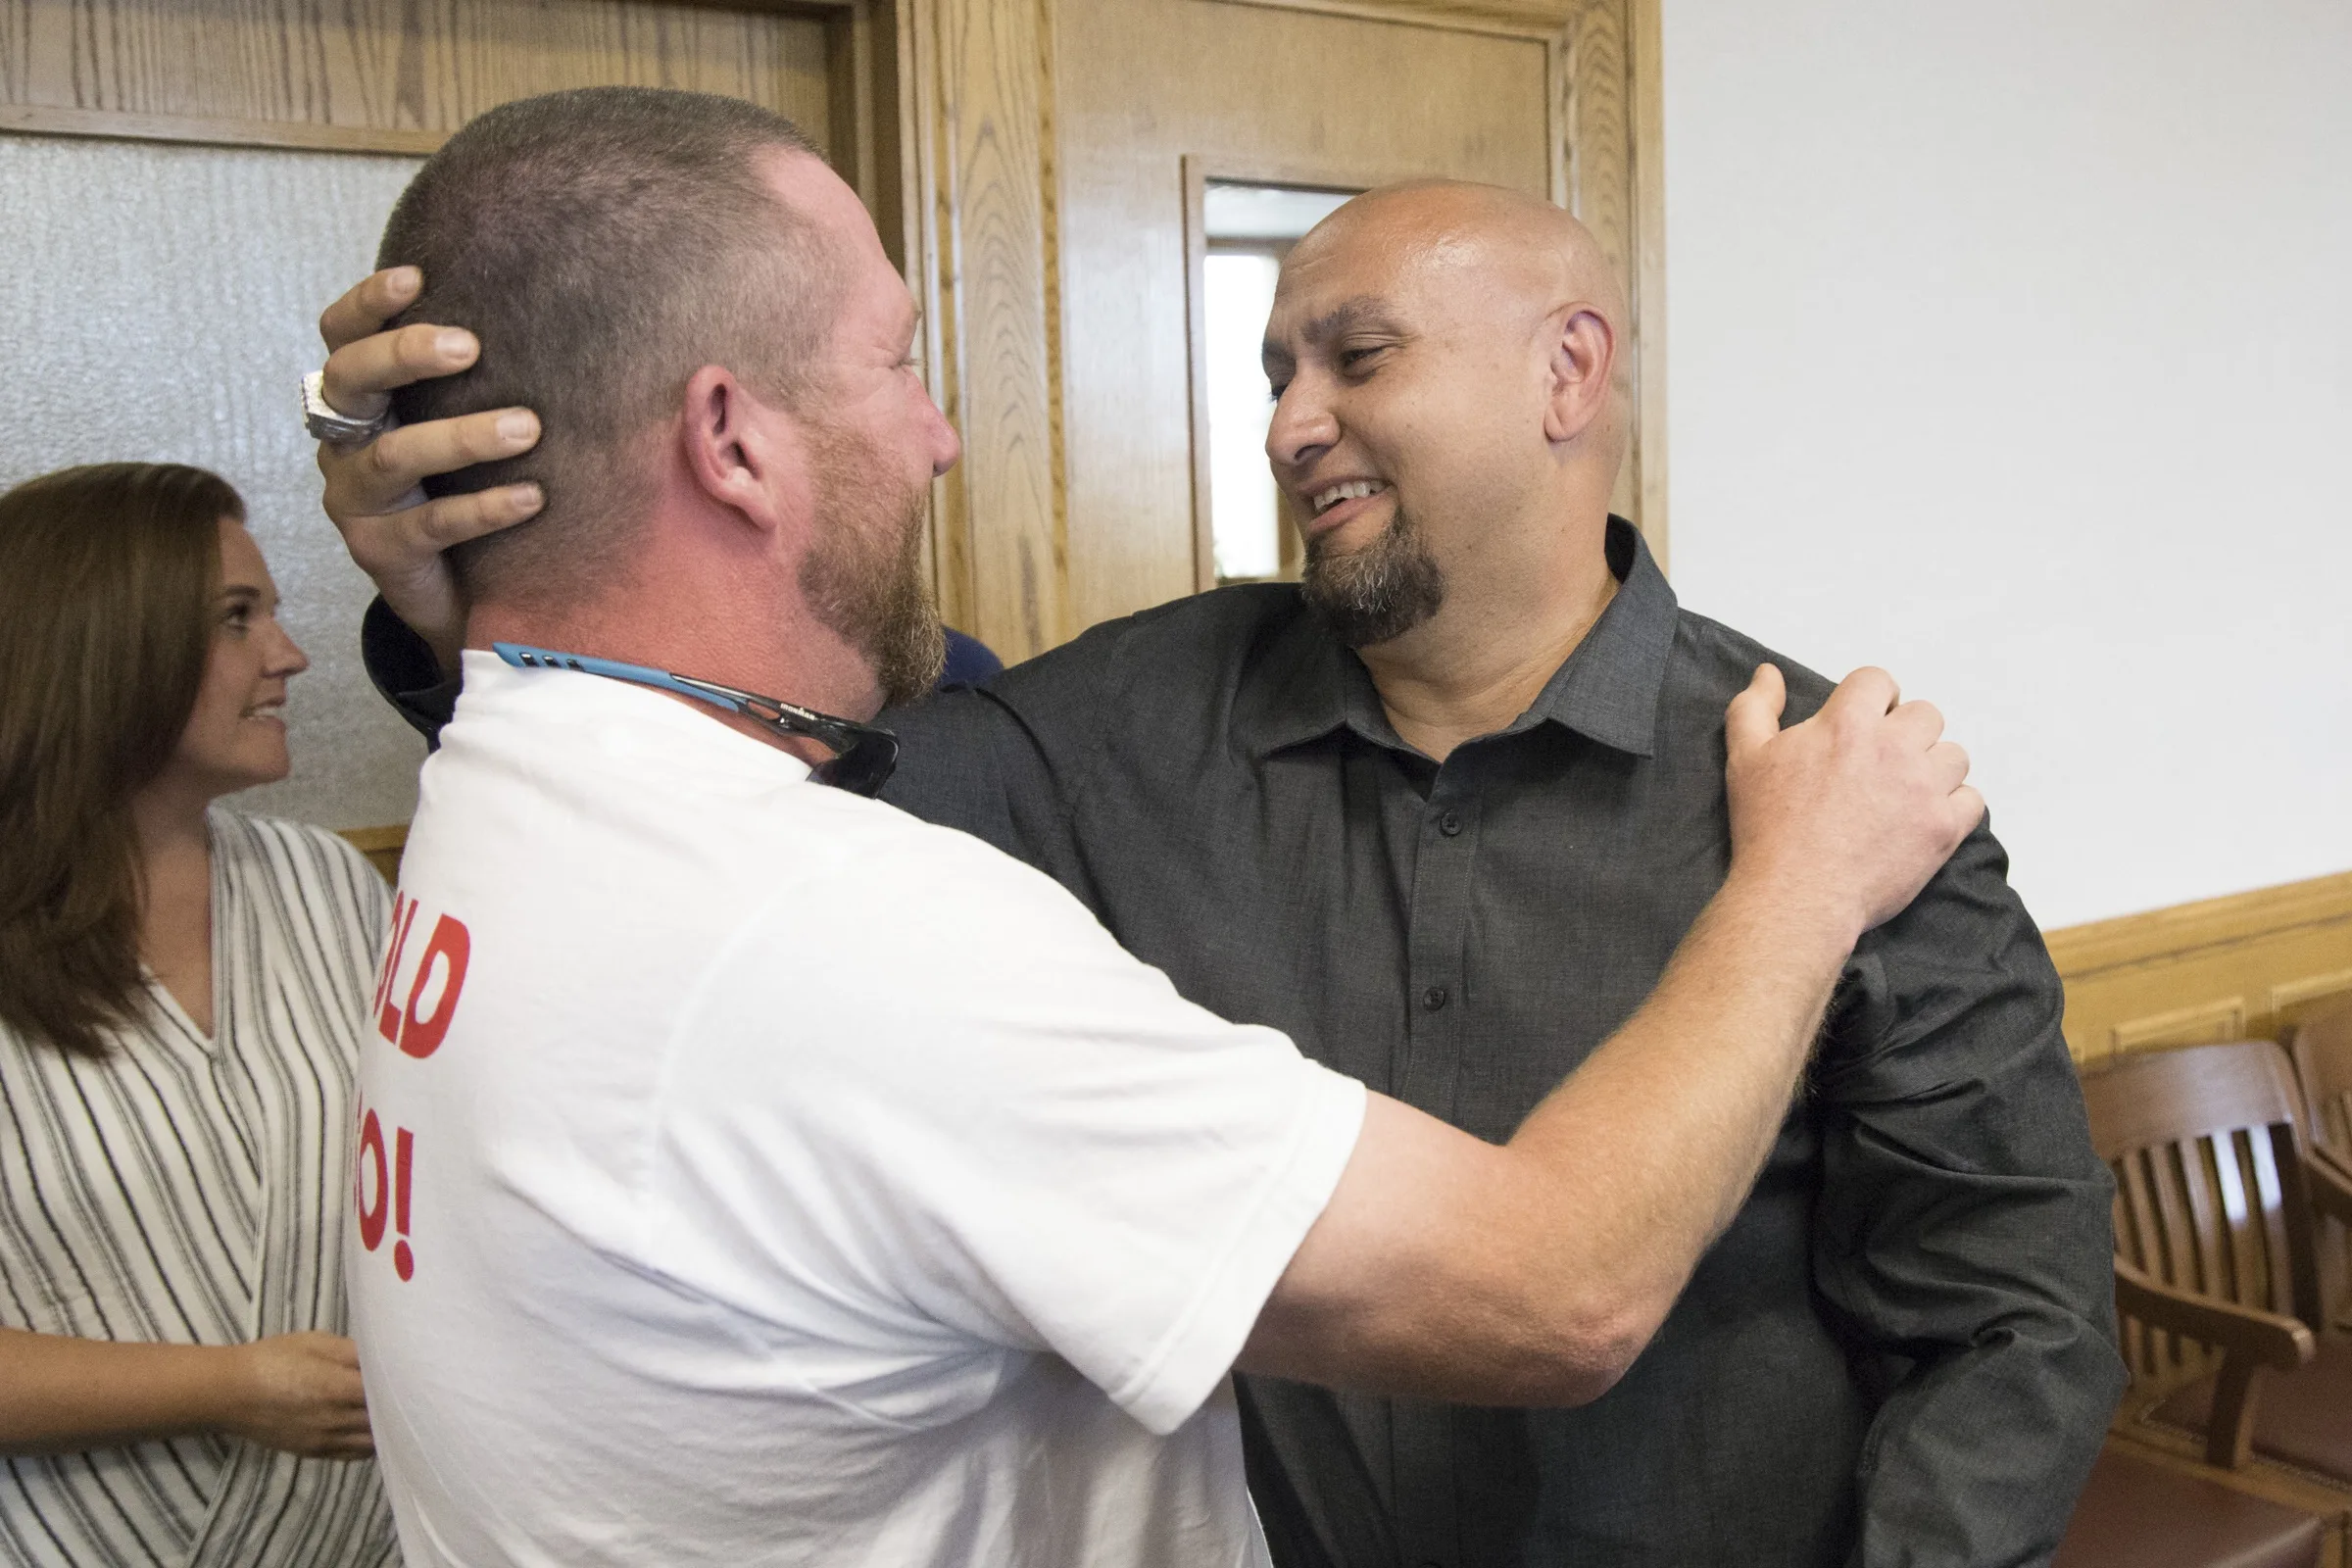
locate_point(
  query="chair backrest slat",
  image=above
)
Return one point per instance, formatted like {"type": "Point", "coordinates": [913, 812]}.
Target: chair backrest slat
{"type": "Point", "coordinates": [2269, 1222]}
{"type": "Point", "coordinates": [2209, 1189]}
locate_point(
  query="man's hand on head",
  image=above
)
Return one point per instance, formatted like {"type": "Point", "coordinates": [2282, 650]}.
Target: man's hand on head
{"type": "Point", "coordinates": [374, 491]}
{"type": "Point", "coordinates": [1846, 816]}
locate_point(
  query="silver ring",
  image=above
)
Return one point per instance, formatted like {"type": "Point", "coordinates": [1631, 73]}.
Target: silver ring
{"type": "Point", "coordinates": [318, 417]}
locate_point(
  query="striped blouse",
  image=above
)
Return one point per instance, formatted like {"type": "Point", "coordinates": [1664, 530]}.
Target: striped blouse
{"type": "Point", "coordinates": [195, 1190]}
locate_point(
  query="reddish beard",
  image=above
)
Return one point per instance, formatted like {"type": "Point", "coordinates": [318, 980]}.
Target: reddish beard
{"type": "Point", "coordinates": [863, 577]}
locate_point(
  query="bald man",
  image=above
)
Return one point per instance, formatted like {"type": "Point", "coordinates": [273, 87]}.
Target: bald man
{"type": "Point", "coordinates": [1441, 812]}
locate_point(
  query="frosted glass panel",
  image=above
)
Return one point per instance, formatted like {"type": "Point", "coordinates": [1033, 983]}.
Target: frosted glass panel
{"type": "Point", "coordinates": [159, 303]}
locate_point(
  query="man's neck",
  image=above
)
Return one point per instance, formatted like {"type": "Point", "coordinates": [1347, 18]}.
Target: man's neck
{"type": "Point", "coordinates": [1476, 666]}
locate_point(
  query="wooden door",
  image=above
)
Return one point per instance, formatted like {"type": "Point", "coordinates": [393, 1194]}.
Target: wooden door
{"type": "Point", "coordinates": [1048, 150]}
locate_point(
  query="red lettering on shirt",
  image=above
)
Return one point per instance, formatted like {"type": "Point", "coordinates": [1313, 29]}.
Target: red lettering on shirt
{"type": "Point", "coordinates": [403, 1262]}
{"type": "Point", "coordinates": [404, 915]}
{"type": "Point", "coordinates": [451, 945]}
{"type": "Point", "coordinates": [373, 1208]}
{"type": "Point", "coordinates": [380, 1188]}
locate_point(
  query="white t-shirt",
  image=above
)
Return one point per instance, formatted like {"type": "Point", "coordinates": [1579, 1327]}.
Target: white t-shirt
{"type": "Point", "coordinates": [751, 1173]}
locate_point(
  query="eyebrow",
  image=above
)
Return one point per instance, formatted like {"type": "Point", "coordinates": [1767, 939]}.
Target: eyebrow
{"type": "Point", "coordinates": [1348, 315]}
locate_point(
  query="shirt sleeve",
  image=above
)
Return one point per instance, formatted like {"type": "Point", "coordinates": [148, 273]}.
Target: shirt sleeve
{"type": "Point", "coordinates": [1007, 763]}
{"type": "Point", "coordinates": [1005, 1126]}
{"type": "Point", "coordinates": [404, 672]}
{"type": "Point", "coordinates": [1964, 1227]}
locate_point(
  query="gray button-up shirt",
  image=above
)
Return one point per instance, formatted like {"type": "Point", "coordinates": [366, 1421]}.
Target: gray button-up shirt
{"type": "Point", "coordinates": [1902, 1348]}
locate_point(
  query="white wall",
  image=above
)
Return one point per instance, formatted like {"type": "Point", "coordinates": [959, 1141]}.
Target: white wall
{"type": "Point", "coordinates": [2010, 346]}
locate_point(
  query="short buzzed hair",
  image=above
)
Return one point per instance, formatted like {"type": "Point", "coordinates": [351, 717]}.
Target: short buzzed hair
{"type": "Point", "coordinates": [603, 244]}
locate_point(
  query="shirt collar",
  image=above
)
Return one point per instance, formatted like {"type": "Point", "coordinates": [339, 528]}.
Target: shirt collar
{"type": "Point", "coordinates": [609, 722]}
{"type": "Point", "coordinates": [1309, 683]}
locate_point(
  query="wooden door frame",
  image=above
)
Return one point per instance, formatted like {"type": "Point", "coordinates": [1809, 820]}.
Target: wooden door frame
{"type": "Point", "coordinates": [984, 242]}
{"type": "Point", "coordinates": [853, 44]}
{"type": "Point", "coordinates": [1607, 134]}
{"type": "Point", "coordinates": [1197, 173]}
{"type": "Point", "coordinates": [1606, 97]}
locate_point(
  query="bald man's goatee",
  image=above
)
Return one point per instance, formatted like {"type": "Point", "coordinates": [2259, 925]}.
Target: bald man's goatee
{"type": "Point", "coordinates": [1383, 590]}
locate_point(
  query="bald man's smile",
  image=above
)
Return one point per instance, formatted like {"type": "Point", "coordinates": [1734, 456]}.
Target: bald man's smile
{"type": "Point", "coordinates": [1333, 503]}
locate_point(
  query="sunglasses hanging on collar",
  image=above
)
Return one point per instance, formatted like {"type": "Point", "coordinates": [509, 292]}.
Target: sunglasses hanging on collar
{"type": "Point", "coordinates": [863, 756]}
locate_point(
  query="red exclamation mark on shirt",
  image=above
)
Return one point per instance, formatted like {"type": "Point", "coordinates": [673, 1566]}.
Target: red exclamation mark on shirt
{"type": "Point", "coordinates": [403, 1262]}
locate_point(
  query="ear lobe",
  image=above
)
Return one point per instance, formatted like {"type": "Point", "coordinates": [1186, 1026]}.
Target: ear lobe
{"type": "Point", "coordinates": [1584, 359]}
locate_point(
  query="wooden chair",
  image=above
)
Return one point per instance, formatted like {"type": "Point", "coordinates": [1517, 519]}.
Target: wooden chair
{"type": "Point", "coordinates": [2216, 1262]}
{"type": "Point", "coordinates": [2321, 1048]}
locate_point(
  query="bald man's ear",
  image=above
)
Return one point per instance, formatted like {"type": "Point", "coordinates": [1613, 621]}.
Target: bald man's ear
{"type": "Point", "coordinates": [1584, 358]}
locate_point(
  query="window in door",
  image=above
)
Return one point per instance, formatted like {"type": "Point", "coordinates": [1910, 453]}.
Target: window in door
{"type": "Point", "coordinates": [1247, 230]}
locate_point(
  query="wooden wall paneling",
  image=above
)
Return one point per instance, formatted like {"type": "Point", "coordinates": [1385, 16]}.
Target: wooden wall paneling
{"type": "Point", "coordinates": [982, 108]}
{"type": "Point", "coordinates": [382, 846]}
{"type": "Point", "coordinates": [1647, 456]}
{"type": "Point", "coordinates": [926, 208]}
{"type": "Point", "coordinates": [1615, 128]}
{"type": "Point", "coordinates": [384, 76]}
{"type": "Point", "coordinates": [2236, 967]}
{"type": "Point", "coordinates": [1143, 84]}
{"type": "Point", "coordinates": [1195, 333]}
{"type": "Point", "coordinates": [1042, 149]}
{"type": "Point", "coordinates": [1610, 171]}
{"type": "Point", "coordinates": [1600, 134]}
{"type": "Point", "coordinates": [865, 129]}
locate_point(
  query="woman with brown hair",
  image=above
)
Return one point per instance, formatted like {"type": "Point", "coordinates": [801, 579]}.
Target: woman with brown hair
{"type": "Point", "coordinates": [181, 994]}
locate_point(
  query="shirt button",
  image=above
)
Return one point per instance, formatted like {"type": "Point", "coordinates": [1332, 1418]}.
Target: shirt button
{"type": "Point", "coordinates": [1434, 997]}
{"type": "Point", "coordinates": [1450, 824]}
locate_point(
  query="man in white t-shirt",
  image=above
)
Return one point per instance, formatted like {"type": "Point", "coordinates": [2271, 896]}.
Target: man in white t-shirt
{"type": "Point", "coordinates": [751, 1173]}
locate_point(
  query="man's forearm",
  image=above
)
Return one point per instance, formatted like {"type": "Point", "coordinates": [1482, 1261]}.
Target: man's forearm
{"type": "Point", "coordinates": [1535, 1273]}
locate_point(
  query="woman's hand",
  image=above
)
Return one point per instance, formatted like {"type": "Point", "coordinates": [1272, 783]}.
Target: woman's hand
{"type": "Point", "coordinates": [300, 1393]}
{"type": "Point", "coordinates": [296, 1391]}
{"type": "Point", "coordinates": [374, 492]}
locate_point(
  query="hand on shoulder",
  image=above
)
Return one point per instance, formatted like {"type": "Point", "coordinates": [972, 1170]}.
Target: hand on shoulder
{"type": "Point", "coordinates": [1846, 816]}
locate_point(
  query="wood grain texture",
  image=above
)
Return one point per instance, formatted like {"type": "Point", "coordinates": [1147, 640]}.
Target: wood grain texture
{"type": "Point", "coordinates": [1510, 18]}
{"type": "Point", "coordinates": [1196, 328]}
{"type": "Point", "coordinates": [1647, 455]}
{"type": "Point", "coordinates": [1600, 127]}
{"type": "Point", "coordinates": [983, 109]}
{"type": "Point", "coordinates": [384, 847]}
{"type": "Point", "coordinates": [387, 75]}
{"type": "Point", "coordinates": [1608, 168]}
{"type": "Point", "coordinates": [1142, 85]}
{"type": "Point", "coordinates": [2246, 965]}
